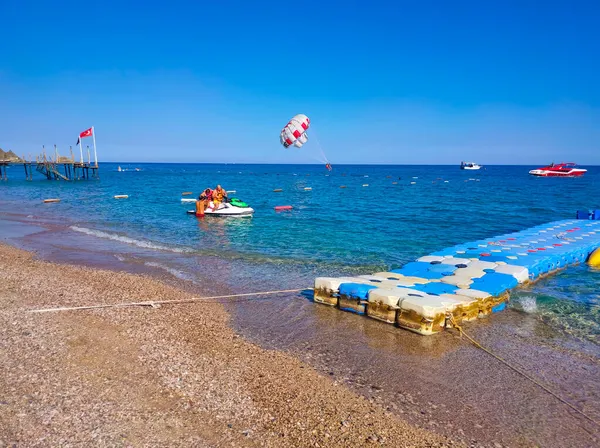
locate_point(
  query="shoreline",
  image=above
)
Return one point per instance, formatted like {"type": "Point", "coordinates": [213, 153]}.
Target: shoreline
{"type": "Point", "coordinates": [177, 375]}
{"type": "Point", "coordinates": [443, 385]}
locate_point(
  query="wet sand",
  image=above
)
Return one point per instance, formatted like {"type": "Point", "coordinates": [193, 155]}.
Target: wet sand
{"type": "Point", "coordinates": [169, 376]}
{"type": "Point", "coordinates": [442, 382]}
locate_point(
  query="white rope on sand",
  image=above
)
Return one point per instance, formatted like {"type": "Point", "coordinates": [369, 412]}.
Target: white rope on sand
{"type": "Point", "coordinates": [158, 303]}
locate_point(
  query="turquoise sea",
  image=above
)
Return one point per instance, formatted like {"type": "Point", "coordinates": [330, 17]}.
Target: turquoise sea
{"type": "Point", "coordinates": [384, 217]}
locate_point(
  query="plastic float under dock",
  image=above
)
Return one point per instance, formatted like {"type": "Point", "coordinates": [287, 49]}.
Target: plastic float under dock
{"type": "Point", "coordinates": [466, 281]}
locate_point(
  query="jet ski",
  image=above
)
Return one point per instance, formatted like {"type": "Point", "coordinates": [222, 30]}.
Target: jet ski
{"type": "Point", "coordinates": [233, 208]}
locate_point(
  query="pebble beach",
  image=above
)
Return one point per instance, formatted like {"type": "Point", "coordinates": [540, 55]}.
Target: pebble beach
{"type": "Point", "coordinates": [170, 376]}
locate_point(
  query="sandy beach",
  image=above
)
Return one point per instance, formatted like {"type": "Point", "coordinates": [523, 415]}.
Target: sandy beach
{"type": "Point", "coordinates": [168, 376]}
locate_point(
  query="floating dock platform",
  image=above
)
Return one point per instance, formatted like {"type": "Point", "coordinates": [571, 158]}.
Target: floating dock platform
{"type": "Point", "coordinates": [463, 282]}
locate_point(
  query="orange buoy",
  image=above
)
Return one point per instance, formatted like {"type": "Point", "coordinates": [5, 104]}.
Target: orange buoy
{"type": "Point", "coordinates": [283, 207]}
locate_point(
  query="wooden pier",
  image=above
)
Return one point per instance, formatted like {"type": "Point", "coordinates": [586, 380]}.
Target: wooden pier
{"type": "Point", "coordinates": [53, 168]}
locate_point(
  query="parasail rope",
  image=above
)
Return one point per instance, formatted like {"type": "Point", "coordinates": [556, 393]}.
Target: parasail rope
{"type": "Point", "coordinates": [325, 160]}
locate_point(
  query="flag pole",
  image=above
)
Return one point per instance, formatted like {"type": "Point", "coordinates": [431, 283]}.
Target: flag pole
{"type": "Point", "coordinates": [89, 160]}
{"type": "Point", "coordinates": [94, 140]}
{"type": "Point", "coordinates": [80, 150]}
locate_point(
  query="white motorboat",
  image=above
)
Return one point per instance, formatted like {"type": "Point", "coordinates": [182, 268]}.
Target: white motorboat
{"type": "Point", "coordinates": [469, 166]}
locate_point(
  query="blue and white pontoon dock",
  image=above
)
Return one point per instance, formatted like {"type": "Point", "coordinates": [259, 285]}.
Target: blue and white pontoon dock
{"type": "Point", "coordinates": [466, 281]}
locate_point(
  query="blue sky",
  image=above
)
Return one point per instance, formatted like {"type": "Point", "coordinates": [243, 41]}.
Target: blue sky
{"type": "Point", "coordinates": [382, 81]}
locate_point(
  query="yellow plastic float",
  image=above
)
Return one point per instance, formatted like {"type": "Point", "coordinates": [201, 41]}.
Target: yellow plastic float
{"type": "Point", "coordinates": [594, 259]}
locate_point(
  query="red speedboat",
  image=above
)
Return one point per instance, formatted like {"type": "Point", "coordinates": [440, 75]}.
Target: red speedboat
{"type": "Point", "coordinates": [559, 170]}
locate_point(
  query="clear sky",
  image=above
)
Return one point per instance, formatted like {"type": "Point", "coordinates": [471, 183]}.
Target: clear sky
{"type": "Point", "coordinates": [495, 81]}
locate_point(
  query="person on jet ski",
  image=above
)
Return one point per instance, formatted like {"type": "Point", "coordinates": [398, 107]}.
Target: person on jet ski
{"type": "Point", "coordinates": [219, 195]}
{"type": "Point", "coordinates": [203, 201]}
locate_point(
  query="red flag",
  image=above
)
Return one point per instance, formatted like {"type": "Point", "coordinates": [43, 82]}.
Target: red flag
{"type": "Point", "coordinates": [86, 133]}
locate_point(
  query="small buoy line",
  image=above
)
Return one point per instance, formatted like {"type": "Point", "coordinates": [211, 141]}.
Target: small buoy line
{"type": "Point", "coordinates": [189, 193]}
{"type": "Point", "coordinates": [54, 200]}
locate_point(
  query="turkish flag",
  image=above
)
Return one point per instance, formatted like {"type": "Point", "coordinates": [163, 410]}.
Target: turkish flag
{"type": "Point", "coordinates": [86, 133]}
